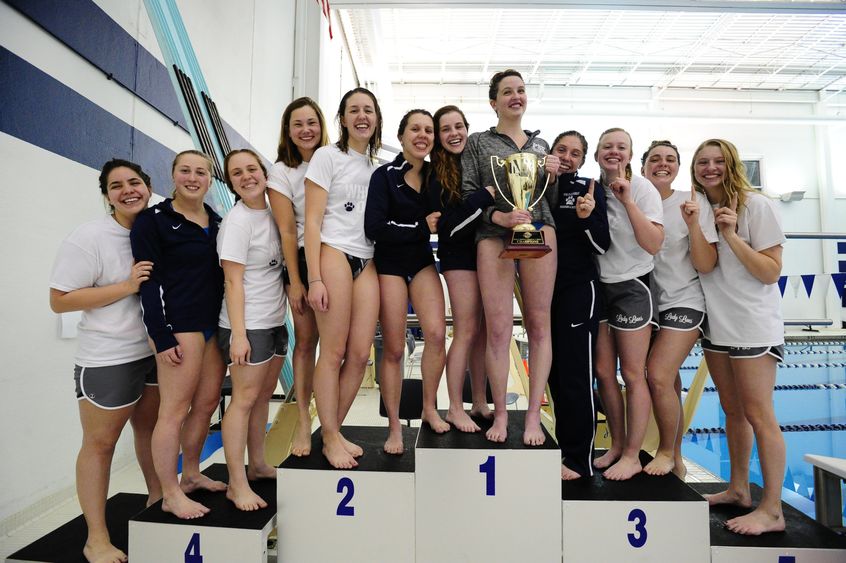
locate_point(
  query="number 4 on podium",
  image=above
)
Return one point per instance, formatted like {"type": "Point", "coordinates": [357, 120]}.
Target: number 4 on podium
{"type": "Point", "coordinates": [192, 552]}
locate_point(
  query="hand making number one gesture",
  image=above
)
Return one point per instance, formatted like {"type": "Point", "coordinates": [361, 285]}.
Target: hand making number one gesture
{"type": "Point", "coordinates": [586, 203]}
{"type": "Point", "coordinates": [726, 217]}
{"type": "Point", "coordinates": [690, 209]}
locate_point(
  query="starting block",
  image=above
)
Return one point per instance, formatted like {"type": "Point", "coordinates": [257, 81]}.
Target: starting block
{"type": "Point", "coordinates": [484, 501]}
{"type": "Point", "coordinates": [643, 519]}
{"type": "Point", "coordinates": [803, 541]}
{"type": "Point", "coordinates": [223, 535]}
{"type": "Point", "coordinates": [361, 515]}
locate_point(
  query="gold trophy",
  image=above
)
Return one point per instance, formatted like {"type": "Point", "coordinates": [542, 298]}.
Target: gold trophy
{"type": "Point", "coordinates": [521, 172]}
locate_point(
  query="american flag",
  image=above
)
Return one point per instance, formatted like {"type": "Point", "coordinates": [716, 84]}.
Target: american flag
{"type": "Point", "coordinates": [324, 6]}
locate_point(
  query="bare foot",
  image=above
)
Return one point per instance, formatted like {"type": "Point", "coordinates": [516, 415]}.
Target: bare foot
{"type": "Point", "coordinates": [459, 418]}
{"type": "Point", "coordinates": [680, 469]}
{"type": "Point", "coordinates": [394, 445]}
{"type": "Point", "coordinates": [533, 433]}
{"type": "Point", "coordinates": [433, 419]}
{"type": "Point", "coordinates": [568, 474]}
{"type": "Point", "coordinates": [337, 454]}
{"type": "Point", "coordinates": [302, 441]}
{"type": "Point", "coordinates": [190, 483]}
{"type": "Point", "coordinates": [625, 468]}
{"type": "Point", "coordinates": [263, 471]}
{"type": "Point", "coordinates": [103, 553]}
{"type": "Point", "coordinates": [245, 499]}
{"type": "Point", "coordinates": [661, 465]}
{"type": "Point", "coordinates": [606, 459]}
{"type": "Point", "coordinates": [757, 522]}
{"type": "Point", "coordinates": [481, 410]}
{"type": "Point", "coordinates": [183, 507]}
{"type": "Point", "coordinates": [499, 431]}
{"type": "Point", "coordinates": [737, 498]}
{"type": "Point", "coordinates": [153, 499]}
{"type": "Point", "coordinates": [353, 449]}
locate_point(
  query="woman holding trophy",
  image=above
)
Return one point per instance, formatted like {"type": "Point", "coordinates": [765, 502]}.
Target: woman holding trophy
{"type": "Point", "coordinates": [496, 257]}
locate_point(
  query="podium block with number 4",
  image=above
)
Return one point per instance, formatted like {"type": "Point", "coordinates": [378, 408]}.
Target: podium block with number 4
{"type": "Point", "coordinates": [362, 515]}
{"type": "Point", "coordinates": [482, 501]}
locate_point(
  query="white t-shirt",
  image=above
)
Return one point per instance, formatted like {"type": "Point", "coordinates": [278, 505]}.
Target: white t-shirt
{"type": "Point", "coordinates": [250, 237]}
{"type": "Point", "coordinates": [674, 278]}
{"type": "Point", "coordinates": [346, 176]}
{"type": "Point", "coordinates": [625, 259]}
{"type": "Point", "coordinates": [98, 254]}
{"type": "Point", "coordinates": [290, 183]}
{"type": "Point", "coordinates": [742, 311]}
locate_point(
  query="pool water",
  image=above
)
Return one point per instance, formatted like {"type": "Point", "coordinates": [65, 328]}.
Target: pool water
{"type": "Point", "coordinates": [810, 404]}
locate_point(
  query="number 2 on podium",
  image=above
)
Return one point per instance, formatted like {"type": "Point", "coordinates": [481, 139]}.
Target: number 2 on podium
{"type": "Point", "coordinates": [489, 469]}
{"type": "Point", "coordinates": [344, 508]}
{"type": "Point", "coordinates": [192, 552]}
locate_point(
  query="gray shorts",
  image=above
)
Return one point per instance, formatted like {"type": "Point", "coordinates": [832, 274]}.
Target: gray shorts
{"type": "Point", "coordinates": [628, 304]}
{"type": "Point", "coordinates": [264, 344]}
{"type": "Point", "coordinates": [115, 387]}
{"type": "Point", "coordinates": [681, 318]}
{"type": "Point", "coordinates": [743, 352]}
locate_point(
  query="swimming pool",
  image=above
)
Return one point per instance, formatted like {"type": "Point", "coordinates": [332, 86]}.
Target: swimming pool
{"type": "Point", "coordinates": [810, 404]}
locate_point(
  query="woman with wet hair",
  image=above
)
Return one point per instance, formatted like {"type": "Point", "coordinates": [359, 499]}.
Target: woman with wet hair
{"type": "Point", "coordinates": [343, 290]}
{"type": "Point", "coordinates": [508, 99]}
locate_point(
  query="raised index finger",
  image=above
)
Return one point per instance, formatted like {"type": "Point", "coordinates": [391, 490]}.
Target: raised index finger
{"type": "Point", "coordinates": [733, 203]}
{"type": "Point", "coordinates": [692, 193]}
{"type": "Point", "coordinates": [621, 170]}
{"type": "Point", "coordinates": [590, 188]}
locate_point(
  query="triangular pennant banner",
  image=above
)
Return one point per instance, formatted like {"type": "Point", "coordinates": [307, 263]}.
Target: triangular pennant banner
{"type": "Point", "coordinates": [839, 281]}
{"type": "Point", "coordinates": [808, 281]}
{"type": "Point", "coordinates": [795, 282]}
{"type": "Point", "coordinates": [782, 284]}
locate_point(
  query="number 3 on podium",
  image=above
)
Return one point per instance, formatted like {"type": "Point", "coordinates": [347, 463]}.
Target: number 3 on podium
{"type": "Point", "coordinates": [192, 552]}
{"type": "Point", "coordinates": [638, 538]}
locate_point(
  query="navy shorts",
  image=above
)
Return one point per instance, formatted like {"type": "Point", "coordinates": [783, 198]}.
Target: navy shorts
{"type": "Point", "coordinates": [405, 265]}
{"type": "Point", "coordinates": [457, 257]}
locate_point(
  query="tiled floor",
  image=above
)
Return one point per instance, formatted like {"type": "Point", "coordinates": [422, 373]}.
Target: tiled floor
{"type": "Point", "coordinates": [365, 412]}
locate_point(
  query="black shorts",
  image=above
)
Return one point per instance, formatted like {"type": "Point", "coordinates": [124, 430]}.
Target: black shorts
{"type": "Point", "coordinates": [114, 387]}
{"type": "Point", "coordinates": [457, 257]}
{"type": "Point", "coordinates": [405, 265]}
{"type": "Point", "coordinates": [265, 343]}
{"type": "Point", "coordinates": [745, 352]}
{"type": "Point", "coordinates": [628, 304]}
{"type": "Point", "coordinates": [682, 319]}
{"type": "Point", "coordinates": [301, 262]}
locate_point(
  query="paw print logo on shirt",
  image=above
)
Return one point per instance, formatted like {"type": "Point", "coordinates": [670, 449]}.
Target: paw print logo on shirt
{"type": "Point", "coordinates": [349, 206]}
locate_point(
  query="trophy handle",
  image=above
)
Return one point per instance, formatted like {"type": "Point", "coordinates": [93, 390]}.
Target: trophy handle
{"type": "Point", "coordinates": [541, 163]}
{"type": "Point", "coordinates": [499, 162]}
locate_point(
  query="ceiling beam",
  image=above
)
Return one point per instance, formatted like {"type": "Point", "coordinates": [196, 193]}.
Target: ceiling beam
{"type": "Point", "coordinates": [756, 6]}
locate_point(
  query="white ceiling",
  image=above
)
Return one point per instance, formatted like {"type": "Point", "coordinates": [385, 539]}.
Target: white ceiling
{"type": "Point", "coordinates": [659, 48]}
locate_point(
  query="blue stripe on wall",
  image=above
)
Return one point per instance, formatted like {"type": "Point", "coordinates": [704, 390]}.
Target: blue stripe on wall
{"type": "Point", "coordinates": [42, 111]}
{"type": "Point", "coordinates": [90, 32]}
{"type": "Point", "coordinates": [841, 247]}
{"type": "Point", "coordinates": [842, 266]}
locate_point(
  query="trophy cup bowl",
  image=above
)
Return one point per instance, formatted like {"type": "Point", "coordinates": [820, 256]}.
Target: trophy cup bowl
{"type": "Point", "coordinates": [521, 173]}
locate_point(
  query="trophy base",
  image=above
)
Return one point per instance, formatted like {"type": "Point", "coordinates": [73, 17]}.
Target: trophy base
{"type": "Point", "coordinates": [525, 245]}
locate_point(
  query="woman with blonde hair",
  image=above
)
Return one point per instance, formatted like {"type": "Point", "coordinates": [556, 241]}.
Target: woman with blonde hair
{"type": "Point", "coordinates": [745, 337]}
{"type": "Point", "coordinates": [181, 303]}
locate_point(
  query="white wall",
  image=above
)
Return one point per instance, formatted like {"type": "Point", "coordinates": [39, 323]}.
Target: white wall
{"type": "Point", "coordinates": [45, 196]}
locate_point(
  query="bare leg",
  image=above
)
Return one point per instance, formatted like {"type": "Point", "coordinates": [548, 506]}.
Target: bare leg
{"type": "Point", "coordinates": [196, 428]}
{"type": "Point", "coordinates": [738, 432]}
{"type": "Point", "coordinates": [247, 382]}
{"type": "Point", "coordinates": [537, 279]}
{"type": "Point", "coordinates": [427, 298]}
{"type": "Point", "coordinates": [305, 344]}
{"type": "Point", "coordinates": [632, 347]}
{"type": "Point", "coordinates": [257, 466]}
{"type": "Point", "coordinates": [755, 378]}
{"type": "Point", "coordinates": [478, 375]}
{"type": "Point", "coordinates": [101, 429]}
{"type": "Point", "coordinates": [465, 300]}
{"type": "Point", "coordinates": [609, 392]}
{"type": "Point", "coordinates": [679, 468]}
{"type": "Point", "coordinates": [143, 422]}
{"type": "Point", "coordinates": [334, 327]}
{"type": "Point", "coordinates": [177, 386]}
{"type": "Point", "coordinates": [669, 350]}
{"type": "Point", "coordinates": [393, 294]}
{"type": "Point", "coordinates": [496, 280]}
